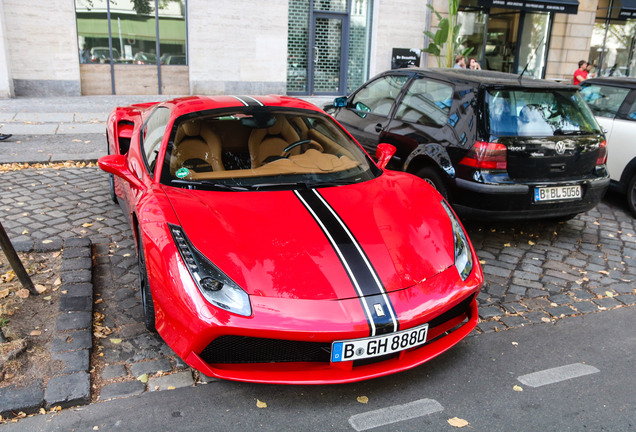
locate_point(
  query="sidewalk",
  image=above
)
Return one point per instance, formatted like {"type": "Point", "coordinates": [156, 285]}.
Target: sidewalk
{"type": "Point", "coordinates": [58, 129]}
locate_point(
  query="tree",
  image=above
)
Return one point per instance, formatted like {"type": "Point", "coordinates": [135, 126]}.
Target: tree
{"type": "Point", "coordinates": [446, 41]}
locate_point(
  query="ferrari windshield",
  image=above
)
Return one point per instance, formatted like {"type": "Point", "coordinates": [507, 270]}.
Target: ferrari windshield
{"type": "Point", "coordinates": [262, 148]}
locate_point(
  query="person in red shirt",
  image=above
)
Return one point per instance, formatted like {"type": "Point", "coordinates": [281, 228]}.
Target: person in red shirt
{"type": "Point", "coordinates": [580, 74]}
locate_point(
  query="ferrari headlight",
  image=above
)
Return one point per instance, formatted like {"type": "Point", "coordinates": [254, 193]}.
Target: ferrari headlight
{"type": "Point", "coordinates": [216, 286]}
{"type": "Point", "coordinates": [463, 257]}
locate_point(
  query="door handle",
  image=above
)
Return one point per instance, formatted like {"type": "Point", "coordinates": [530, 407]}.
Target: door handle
{"type": "Point", "coordinates": [378, 127]}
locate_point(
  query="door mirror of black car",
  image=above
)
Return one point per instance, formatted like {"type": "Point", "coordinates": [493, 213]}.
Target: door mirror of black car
{"type": "Point", "coordinates": [384, 153]}
{"type": "Point", "coordinates": [116, 165]}
{"type": "Point", "coordinates": [340, 102]}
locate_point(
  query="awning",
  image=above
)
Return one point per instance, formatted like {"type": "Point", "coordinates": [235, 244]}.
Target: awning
{"type": "Point", "coordinates": [567, 6]}
{"type": "Point", "coordinates": [628, 9]}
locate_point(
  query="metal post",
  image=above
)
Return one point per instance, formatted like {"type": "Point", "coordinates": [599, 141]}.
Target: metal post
{"type": "Point", "coordinates": [14, 261]}
{"type": "Point", "coordinates": [158, 45]}
{"type": "Point", "coordinates": [110, 49]}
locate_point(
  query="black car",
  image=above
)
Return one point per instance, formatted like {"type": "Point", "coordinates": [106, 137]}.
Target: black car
{"type": "Point", "coordinates": [613, 102]}
{"type": "Point", "coordinates": [496, 145]}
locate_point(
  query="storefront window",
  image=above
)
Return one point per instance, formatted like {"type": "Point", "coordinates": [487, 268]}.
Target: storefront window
{"type": "Point", "coordinates": [133, 31]}
{"type": "Point", "coordinates": [532, 44]}
{"type": "Point", "coordinates": [359, 34]}
{"type": "Point", "coordinates": [617, 49]}
{"type": "Point", "coordinates": [472, 31]}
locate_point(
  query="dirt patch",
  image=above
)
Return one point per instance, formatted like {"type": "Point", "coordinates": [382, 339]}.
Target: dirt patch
{"type": "Point", "coordinates": [28, 321]}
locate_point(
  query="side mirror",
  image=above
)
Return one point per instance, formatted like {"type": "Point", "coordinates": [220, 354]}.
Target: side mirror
{"type": "Point", "coordinates": [340, 102]}
{"type": "Point", "coordinates": [384, 153]}
{"type": "Point", "coordinates": [116, 165]}
{"type": "Point", "coordinates": [125, 130]}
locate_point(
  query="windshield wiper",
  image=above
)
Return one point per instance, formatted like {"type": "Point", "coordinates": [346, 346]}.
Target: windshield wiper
{"type": "Point", "coordinates": [301, 185]}
{"type": "Point", "coordinates": [192, 184]}
{"type": "Point", "coordinates": [571, 132]}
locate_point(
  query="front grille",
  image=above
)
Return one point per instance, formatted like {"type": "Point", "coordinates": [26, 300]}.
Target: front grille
{"type": "Point", "coordinates": [245, 349]}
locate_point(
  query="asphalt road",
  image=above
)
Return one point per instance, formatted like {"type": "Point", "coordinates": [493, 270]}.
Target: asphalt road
{"type": "Point", "coordinates": [582, 379]}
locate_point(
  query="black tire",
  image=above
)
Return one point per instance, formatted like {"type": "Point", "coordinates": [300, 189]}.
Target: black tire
{"type": "Point", "coordinates": [144, 288]}
{"type": "Point", "coordinates": [631, 196]}
{"type": "Point", "coordinates": [432, 177]}
{"type": "Point", "coordinates": [111, 183]}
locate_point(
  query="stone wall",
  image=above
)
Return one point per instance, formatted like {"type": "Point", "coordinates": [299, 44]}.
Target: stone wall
{"type": "Point", "coordinates": [41, 41]}
{"type": "Point", "coordinates": [237, 46]}
{"type": "Point", "coordinates": [570, 42]}
{"type": "Point", "coordinates": [396, 24]}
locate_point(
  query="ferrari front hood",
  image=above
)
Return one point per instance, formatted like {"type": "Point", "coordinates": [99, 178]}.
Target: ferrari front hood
{"type": "Point", "coordinates": [328, 243]}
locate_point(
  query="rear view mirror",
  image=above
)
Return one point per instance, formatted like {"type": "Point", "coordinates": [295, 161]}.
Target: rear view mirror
{"type": "Point", "coordinates": [384, 153]}
{"type": "Point", "coordinates": [116, 165]}
{"type": "Point", "coordinates": [340, 102]}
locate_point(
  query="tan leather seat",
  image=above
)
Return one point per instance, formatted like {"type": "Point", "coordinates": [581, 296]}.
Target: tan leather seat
{"type": "Point", "coordinates": [196, 147]}
{"type": "Point", "coordinates": [271, 141]}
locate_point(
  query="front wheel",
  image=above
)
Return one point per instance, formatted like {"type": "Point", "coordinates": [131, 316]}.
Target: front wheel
{"type": "Point", "coordinates": [631, 196]}
{"type": "Point", "coordinates": [432, 177]}
{"type": "Point", "coordinates": [144, 287]}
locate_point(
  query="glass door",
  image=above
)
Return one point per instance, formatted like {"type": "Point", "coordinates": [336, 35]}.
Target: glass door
{"type": "Point", "coordinates": [328, 54]}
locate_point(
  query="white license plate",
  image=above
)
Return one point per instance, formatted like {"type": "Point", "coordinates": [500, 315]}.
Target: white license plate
{"type": "Point", "coordinates": [557, 193]}
{"type": "Point", "coordinates": [357, 349]}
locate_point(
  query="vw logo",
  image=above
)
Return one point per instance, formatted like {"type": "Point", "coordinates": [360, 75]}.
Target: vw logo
{"type": "Point", "coordinates": [560, 147]}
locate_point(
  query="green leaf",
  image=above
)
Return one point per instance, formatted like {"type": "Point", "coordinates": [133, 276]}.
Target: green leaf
{"type": "Point", "coordinates": [432, 49]}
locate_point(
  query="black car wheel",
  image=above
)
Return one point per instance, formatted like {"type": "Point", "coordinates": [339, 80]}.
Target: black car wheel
{"type": "Point", "coordinates": [111, 183]}
{"type": "Point", "coordinates": [144, 287]}
{"type": "Point", "coordinates": [430, 176]}
{"type": "Point", "coordinates": [631, 196]}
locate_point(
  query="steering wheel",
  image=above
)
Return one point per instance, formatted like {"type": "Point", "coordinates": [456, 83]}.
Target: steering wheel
{"type": "Point", "coordinates": [293, 145]}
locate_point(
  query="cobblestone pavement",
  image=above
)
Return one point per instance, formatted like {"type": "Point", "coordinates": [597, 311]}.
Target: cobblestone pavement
{"type": "Point", "coordinates": [535, 272]}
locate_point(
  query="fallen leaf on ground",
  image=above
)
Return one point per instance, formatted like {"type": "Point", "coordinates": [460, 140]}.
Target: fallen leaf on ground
{"type": "Point", "coordinates": [47, 241]}
{"type": "Point", "coordinates": [457, 422]}
{"type": "Point", "coordinates": [143, 378]}
{"type": "Point", "coordinates": [363, 399]}
{"type": "Point", "coordinates": [40, 288]}
{"type": "Point", "coordinates": [609, 293]}
{"type": "Point", "coordinates": [260, 404]}
{"type": "Point", "coordinates": [115, 340]}
{"type": "Point", "coordinates": [518, 388]}
{"type": "Point", "coordinates": [35, 332]}
{"type": "Point", "coordinates": [86, 225]}
{"type": "Point", "coordinates": [23, 293]}
{"type": "Point", "coordinates": [4, 293]}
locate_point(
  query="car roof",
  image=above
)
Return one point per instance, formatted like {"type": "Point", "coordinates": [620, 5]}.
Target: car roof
{"type": "Point", "coordinates": [627, 82]}
{"type": "Point", "coordinates": [488, 78]}
{"type": "Point", "coordinates": [190, 104]}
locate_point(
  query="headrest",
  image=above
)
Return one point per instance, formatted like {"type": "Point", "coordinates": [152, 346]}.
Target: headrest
{"type": "Point", "coordinates": [191, 128]}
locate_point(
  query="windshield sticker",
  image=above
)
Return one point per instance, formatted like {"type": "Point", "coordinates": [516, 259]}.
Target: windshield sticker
{"type": "Point", "coordinates": [182, 172]}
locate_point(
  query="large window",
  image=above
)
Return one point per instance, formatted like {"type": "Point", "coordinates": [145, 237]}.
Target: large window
{"type": "Point", "coordinates": [132, 38]}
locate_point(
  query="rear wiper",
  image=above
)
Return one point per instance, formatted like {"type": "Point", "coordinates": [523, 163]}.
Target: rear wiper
{"type": "Point", "coordinates": [192, 184]}
{"type": "Point", "coordinates": [571, 132]}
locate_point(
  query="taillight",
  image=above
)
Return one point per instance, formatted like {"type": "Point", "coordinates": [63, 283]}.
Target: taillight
{"type": "Point", "coordinates": [485, 155]}
{"type": "Point", "coordinates": [601, 159]}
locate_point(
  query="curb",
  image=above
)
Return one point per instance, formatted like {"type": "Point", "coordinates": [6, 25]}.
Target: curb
{"type": "Point", "coordinates": [71, 339]}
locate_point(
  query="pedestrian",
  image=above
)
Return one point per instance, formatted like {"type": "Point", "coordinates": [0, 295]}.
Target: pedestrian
{"type": "Point", "coordinates": [5, 136]}
{"type": "Point", "coordinates": [474, 64]}
{"type": "Point", "coordinates": [580, 74]}
{"type": "Point", "coordinates": [460, 62]}
{"type": "Point", "coordinates": [589, 69]}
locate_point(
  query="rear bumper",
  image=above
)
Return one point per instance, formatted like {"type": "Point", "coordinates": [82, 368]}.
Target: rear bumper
{"type": "Point", "coordinates": [513, 201]}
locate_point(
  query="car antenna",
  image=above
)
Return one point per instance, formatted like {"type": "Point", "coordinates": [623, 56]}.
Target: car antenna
{"type": "Point", "coordinates": [533, 55]}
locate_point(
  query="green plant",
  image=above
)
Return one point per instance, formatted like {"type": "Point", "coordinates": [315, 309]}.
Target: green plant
{"type": "Point", "coordinates": [445, 42]}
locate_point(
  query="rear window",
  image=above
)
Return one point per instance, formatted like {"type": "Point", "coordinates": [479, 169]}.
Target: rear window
{"type": "Point", "coordinates": [538, 113]}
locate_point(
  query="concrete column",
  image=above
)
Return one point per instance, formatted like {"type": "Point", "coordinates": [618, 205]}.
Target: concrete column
{"type": "Point", "coordinates": [6, 83]}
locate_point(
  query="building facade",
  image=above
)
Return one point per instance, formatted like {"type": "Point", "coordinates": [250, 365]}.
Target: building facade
{"type": "Point", "coordinates": [296, 47]}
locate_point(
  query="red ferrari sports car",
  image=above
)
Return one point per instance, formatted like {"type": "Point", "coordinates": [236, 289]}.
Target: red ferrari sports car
{"type": "Point", "coordinates": [273, 249]}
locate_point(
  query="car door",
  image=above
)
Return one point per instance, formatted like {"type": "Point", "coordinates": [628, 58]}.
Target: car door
{"type": "Point", "coordinates": [605, 101]}
{"type": "Point", "coordinates": [369, 109]}
{"type": "Point", "coordinates": [425, 117]}
{"type": "Point", "coordinates": [623, 148]}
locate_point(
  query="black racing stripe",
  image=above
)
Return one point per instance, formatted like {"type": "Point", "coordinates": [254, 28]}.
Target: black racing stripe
{"type": "Point", "coordinates": [250, 101]}
{"type": "Point", "coordinates": [358, 266]}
